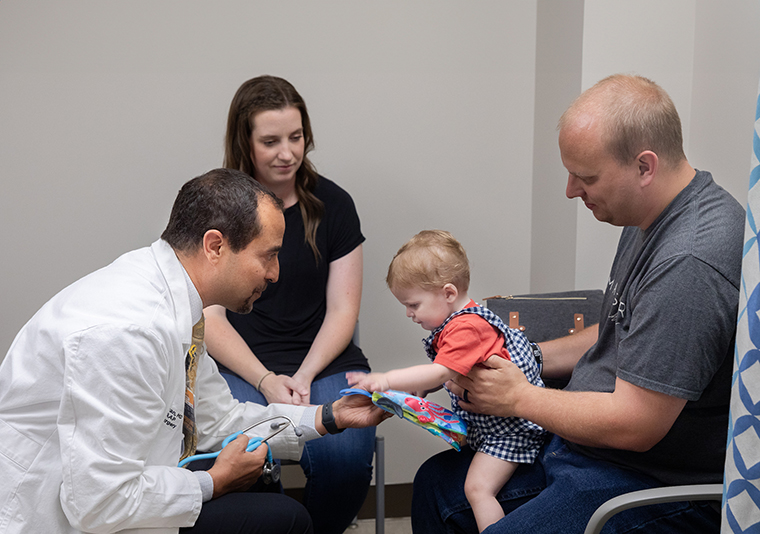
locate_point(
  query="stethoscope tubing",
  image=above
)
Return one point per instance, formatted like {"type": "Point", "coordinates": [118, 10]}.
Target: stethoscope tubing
{"type": "Point", "coordinates": [253, 443]}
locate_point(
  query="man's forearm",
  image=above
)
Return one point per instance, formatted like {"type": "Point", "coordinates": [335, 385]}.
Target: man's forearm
{"type": "Point", "coordinates": [561, 355]}
{"type": "Point", "coordinates": [630, 418]}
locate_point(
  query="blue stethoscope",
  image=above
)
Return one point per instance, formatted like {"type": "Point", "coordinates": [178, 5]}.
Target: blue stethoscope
{"type": "Point", "coordinates": [271, 470]}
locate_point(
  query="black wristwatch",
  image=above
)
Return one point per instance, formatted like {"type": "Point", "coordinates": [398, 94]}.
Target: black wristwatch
{"type": "Point", "coordinates": [328, 419]}
{"type": "Point", "coordinates": [538, 355]}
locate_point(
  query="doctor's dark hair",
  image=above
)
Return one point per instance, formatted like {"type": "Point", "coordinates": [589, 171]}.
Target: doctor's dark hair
{"type": "Point", "coordinates": [429, 261]}
{"type": "Point", "coordinates": [270, 93]}
{"type": "Point", "coordinates": [222, 199]}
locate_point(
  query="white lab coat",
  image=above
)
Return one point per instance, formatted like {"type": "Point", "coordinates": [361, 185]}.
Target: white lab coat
{"type": "Point", "coordinates": [91, 405]}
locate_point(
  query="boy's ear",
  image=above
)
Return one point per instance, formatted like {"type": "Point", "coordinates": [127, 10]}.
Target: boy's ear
{"type": "Point", "coordinates": [451, 292]}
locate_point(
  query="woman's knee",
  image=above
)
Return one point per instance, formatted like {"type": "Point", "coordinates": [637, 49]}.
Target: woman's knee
{"type": "Point", "coordinates": [337, 465]}
{"type": "Point", "coordinates": [352, 449]}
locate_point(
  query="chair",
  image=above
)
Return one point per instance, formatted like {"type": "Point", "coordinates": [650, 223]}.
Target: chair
{"type": "Point", "coordinates": [696, 492]}
{"type": "Point", "coordinates": [379, 485]}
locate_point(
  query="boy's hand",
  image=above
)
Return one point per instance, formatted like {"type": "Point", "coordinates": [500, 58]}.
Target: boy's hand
{"type": "Point", "coordinates": [425, 392]}
{"type": "Point", "coordinates": [369, 381]}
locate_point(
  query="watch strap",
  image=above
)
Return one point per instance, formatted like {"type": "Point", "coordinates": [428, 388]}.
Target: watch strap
{"type": "Point", "coordinates": [328, 419]}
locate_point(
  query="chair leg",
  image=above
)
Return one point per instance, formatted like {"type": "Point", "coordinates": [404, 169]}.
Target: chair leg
{"type": "Point", "coordinates": [379, 485]}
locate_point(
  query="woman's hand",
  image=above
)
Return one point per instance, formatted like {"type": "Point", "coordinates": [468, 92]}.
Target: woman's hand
{"type": "Point", "coordinates": [304, 383]}
{"type": "Point", "coordinates": [282, 389]}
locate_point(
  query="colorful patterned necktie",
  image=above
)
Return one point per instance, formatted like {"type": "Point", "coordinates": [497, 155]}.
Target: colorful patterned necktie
{"type": "Point", "coordinates": [191, 368]}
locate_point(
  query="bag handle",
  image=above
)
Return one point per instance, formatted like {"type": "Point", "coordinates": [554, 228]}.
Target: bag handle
{"type": "Point", "coordinates": [578, 322]}
{"type": "Point", "coordinates": [514, 322]}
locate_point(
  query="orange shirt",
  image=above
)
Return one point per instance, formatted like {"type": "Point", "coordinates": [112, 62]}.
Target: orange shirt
{"type": "Point", "coordinates": [466, 341]}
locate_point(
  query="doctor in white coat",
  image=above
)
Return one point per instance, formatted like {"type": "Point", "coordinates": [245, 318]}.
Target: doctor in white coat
{"type": "Point", "coordinates": [92, 390]}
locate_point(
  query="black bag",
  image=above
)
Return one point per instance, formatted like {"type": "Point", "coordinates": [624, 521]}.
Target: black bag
{"type": "Point", "coordinates": [546, 316]}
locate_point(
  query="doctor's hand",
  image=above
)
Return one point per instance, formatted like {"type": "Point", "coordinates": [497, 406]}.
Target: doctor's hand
{"type": "Point", "coordinates": [492, 388]}
{"type": "Point", "coordinates": [353, 411]}
{"type": "Point", "coordinates": [283, 389]}
{"type": "Point", "coordinates": [236, 469]}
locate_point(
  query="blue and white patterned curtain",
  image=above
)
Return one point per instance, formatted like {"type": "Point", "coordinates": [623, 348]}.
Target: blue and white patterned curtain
{"type": "Point", "coordinates": [741, 490]}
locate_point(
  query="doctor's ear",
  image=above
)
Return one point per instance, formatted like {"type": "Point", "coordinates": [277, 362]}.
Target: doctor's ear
{"type": "Point", "coordinates": [214, 245]}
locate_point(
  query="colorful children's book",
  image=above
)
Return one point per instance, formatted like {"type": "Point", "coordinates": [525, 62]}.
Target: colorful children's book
{"type": "Point", "coordinates": [431, 416]}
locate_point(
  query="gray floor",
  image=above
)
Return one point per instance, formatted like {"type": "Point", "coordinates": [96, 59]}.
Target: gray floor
{"type": "Point", "coordinates": [292, 477]}
{"type": "Point", "coordinates": [393, 525]}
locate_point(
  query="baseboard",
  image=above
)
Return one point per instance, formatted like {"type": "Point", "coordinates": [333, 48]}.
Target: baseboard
{"type": "Point", "coordinates": [398, 500]}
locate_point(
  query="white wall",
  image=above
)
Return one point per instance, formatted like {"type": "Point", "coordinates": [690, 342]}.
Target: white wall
{"type": "Point", "coordinates": [559, 61]}
{"type": "Point", "coordinates": [623, 36]}
{"type": "Point", "coordinates": [706, 55]}
{"type": "Point", "coordinates": [423, 111]}
{"type": "Point", "coordinates": [724, 92]}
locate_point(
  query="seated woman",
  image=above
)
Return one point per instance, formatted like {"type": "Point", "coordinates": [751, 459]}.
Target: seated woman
{"type": "Point", "coordinates": [295, 346]}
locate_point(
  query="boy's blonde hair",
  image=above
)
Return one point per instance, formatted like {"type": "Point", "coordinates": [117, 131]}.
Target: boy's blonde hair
{"type": "Point", "coordinates": [430, 260]}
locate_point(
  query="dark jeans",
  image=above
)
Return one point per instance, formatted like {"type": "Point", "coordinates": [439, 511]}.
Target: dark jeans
{"type": "Point", "coordinates": [249, 513]}
{"type": "Point", "coordinates": [556, 494]}
{"type": "Point", "coordinates": [338, 468]}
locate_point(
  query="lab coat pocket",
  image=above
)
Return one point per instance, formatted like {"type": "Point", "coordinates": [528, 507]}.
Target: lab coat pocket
{"type": "Point", "coordinates": [17, 454]}
{"type": "Point", "coordinates": [16, 448]}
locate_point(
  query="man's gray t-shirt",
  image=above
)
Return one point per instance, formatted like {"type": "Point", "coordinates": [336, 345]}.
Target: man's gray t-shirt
{"type": "Point", "coordinates": [668, 325]}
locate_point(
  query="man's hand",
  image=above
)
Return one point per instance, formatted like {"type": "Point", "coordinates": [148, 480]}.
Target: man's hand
{"type": "Point", "coordinates": [629, 418]}
{"type": "Point", "coordinates": [235, 468]}
{"type": "Point", "coordinates": [493, 388]}
{"type": "Point", "coordinates": [353, 411]}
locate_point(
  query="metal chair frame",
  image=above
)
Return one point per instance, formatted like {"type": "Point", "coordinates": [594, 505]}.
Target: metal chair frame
{"type": "Point", "coordinates": [696, 492]}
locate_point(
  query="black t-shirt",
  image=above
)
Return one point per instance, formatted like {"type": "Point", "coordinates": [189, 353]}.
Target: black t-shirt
{"type": "Point", "coordinates": [286, 318]}
{"type": "Point", "coordinates": [668, 325]}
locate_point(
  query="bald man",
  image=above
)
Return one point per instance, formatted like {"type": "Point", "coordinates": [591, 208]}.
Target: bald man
{"type": "Point", "coordinates": [647, 402]}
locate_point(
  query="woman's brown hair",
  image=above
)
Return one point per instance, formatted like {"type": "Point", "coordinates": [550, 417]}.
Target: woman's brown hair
{"type": "Point", "coordinates": [267, 93]}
